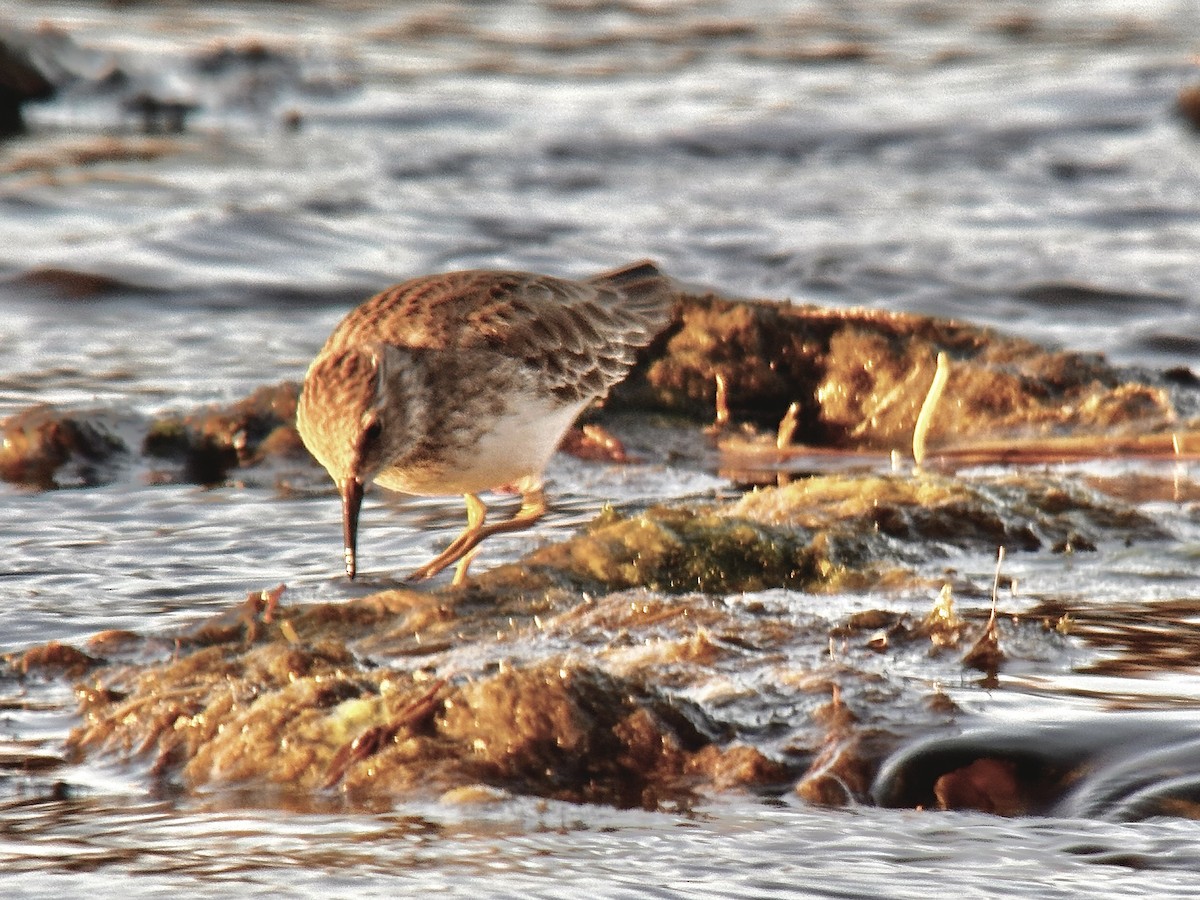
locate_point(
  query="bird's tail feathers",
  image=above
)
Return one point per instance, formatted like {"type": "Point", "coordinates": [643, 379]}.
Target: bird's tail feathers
{"type": "Point", "coordinates": [648, 293]}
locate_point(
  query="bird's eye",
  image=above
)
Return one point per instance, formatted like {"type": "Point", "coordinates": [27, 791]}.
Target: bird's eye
{"type": "Point", "coordinates": [372, 432]}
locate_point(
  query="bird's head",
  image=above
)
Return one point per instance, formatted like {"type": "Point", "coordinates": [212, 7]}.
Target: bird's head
{"type": "Point", "coordinates": [351, 424]}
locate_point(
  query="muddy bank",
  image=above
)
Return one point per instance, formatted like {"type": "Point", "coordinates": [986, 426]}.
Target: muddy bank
{"type": "Point", "coordinates": [646, 661]}
{"type": "Point", "coordinates": [844, 379]}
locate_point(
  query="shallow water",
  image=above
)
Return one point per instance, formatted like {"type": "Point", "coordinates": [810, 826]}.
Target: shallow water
{"type": "Point", "coordinates": [733, 851]}
{"type": "Point", "coordinates": [956, 159]}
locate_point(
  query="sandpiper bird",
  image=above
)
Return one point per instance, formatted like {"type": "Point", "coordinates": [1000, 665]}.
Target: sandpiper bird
{"type": "Point", "coordinates": [467, 381]}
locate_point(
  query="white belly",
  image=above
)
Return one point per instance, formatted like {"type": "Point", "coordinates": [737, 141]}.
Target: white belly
{"type": "Point", "coordinates": [515, 449]}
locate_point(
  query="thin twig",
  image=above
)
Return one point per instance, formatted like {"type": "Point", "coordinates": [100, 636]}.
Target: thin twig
{"type": "Point", "coordinates": [787, 426]}
{"type": "Point", "coordinates": [941, 375]}
{"type": "Point", "coordinates": [996, 586]}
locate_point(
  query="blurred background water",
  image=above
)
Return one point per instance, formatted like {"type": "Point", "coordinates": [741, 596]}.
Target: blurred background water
{"type": "Point", "coordinates": [1022, 165]}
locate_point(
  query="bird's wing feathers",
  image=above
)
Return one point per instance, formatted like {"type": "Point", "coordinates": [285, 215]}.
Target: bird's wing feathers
{"type": "Point", "coordinates": [580, 337]}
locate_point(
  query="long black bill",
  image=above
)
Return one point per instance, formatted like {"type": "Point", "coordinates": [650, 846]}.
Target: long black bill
{"type": "Point", "coordinates": [352, 494]}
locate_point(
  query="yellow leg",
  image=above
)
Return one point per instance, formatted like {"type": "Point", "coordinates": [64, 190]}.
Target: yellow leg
{"type": "Point", "coordinates": [460, 569]}
{"type": "Point", "coordinates": [533, 507]}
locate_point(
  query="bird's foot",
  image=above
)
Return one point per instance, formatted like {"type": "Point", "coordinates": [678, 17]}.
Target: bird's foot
{"type": "Point", "coordinates": [462, 548]}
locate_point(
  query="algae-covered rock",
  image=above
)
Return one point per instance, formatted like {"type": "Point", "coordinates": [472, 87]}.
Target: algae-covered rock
{"type": "Point", "coordinates": [208, 444]}
{"type": "Point", "coordinates": [44, 447]}
{"type": "Point", "coordinates": [626, 665]}
{"type": "Point", "coordinates": [295, 705]}
{"type": "Point", "coordinates": [668, 550]}
{"type": "Point", "coordinates": [1114, 766]}
{"type": "Point", "coordinates": [307, 719]}
{"type": "Point", "coordinates": [930, 513]}
{"type": "Point", "coordinates": [832, 532]}
{"type": "Point", "coordinates": [858, 377]}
